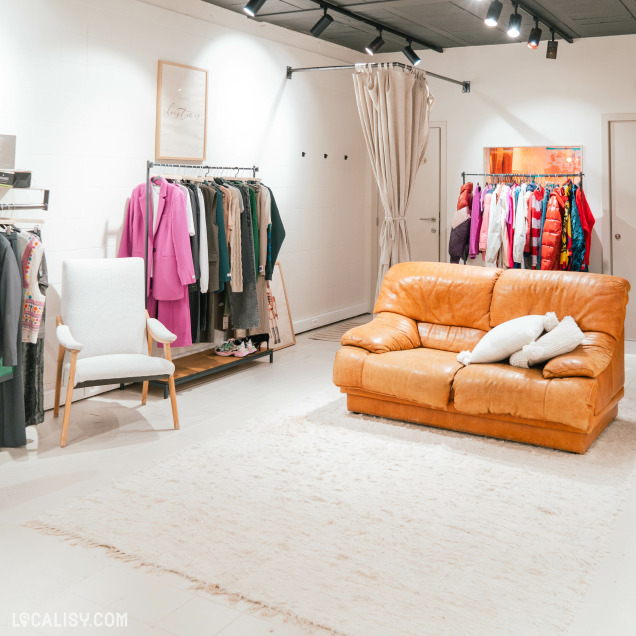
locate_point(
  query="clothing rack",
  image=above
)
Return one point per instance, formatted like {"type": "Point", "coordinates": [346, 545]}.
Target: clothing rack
{"type": "Point", "coordinates": [464, 84]}
{"type": "Point", "coordinates": [517, 174]}
{"type": "Point", "coordinates": [198, 365]}
{"type": "Point", "coordinates": [149, 166]}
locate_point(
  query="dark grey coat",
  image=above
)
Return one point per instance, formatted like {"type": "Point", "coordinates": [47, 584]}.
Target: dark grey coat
{"type": "Point", "coordinates": [12, 420]}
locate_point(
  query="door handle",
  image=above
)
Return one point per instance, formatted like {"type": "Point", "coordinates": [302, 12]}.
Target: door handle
{"type": "Point", "coordinates": [428, 218]}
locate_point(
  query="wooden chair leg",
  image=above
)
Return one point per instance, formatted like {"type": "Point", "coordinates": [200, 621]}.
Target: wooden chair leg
{"type": "Point", "coordinates": [58, 381]}
{"type": "Point", "coordinates": [144, 391]}
{"type": "Point", "coordinates": [69, 399]}
{"type": "Point", "coordinates": [173, 391]}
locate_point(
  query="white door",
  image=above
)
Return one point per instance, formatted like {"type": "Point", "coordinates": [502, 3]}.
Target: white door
{"type": "Point", "coordinates": [423, 213]}
{"type": "Point", "coordinates": [623, 210]}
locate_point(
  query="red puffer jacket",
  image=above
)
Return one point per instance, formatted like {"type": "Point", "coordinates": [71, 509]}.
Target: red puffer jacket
{"type": "Point", "coordinates": [551, 237]}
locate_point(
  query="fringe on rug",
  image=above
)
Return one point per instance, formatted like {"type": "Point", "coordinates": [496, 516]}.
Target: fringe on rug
{"type": "Point", "coordinates": [257, 607]}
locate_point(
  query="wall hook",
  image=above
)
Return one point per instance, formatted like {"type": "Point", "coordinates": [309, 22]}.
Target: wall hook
{"type": "Point", "coordinates": [304, 153]}
{"type": "Point", "coordinates": [326, 155]}
{"type": "Point", "coordinates": [346, 157]}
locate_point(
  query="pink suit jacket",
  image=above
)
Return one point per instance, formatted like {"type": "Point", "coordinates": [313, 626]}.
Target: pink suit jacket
{"type": "Point", "coordinates": [169, 252]}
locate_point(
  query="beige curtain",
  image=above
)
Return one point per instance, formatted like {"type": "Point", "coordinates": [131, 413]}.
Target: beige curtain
{"type": "Point", "coordinates": [394, 105]}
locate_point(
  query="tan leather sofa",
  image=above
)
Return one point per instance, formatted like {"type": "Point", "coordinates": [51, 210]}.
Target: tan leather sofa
{"type": "Point", "coordinates": [403, 364]}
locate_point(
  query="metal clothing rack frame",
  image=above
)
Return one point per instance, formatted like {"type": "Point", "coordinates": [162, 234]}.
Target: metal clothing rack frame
{"type": "Point", "coordinates": [517, 174]}
{"type": "Point", "coordinates": [197, 365]}
{"type": "Point", "coordinates": [27, 206]}
{"type": "Point", "coordinates": [464, 84]}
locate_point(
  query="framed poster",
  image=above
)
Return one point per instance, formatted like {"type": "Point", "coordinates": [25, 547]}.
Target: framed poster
{"type": "Point", "coordinates": [182, 111]}
{"type": "Point", "coordinates": [281, 328]}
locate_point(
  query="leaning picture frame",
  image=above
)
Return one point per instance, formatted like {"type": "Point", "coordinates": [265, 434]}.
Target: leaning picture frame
{"type": "Point", "coordinates": [182, 110]}
{"type": "Point", "coordinates": [281, 327]}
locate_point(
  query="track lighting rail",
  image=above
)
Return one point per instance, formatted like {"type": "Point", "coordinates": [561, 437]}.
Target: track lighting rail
{"type": "Point", "coordinates": [290, 72]}
{"type": "Point", "coordinates": [377, 25]}
{"type": "Point", "coordinates": [537, 17]}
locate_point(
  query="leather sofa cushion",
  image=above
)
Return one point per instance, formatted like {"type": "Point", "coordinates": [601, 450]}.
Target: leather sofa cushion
{"type": "Point", "coordinates": [347, 368]}
{"type": "Point", "coordinates": [597, 302]}
{"type": "Point", "coordinates": [501, 389]}
{"type": "Point", "coordinates": [386, 332]}
{"type": "Point", "coordinates": [589, 359]}
{"type": "Point", "coordinates": [449, 338]}
{"type": "Point", "coordinates": [423, 376]}
{"type": "Point", "coordinates": [440, 293]}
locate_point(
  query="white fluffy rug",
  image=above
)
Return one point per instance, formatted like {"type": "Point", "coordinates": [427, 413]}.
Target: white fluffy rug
{"type": "Point", "coordinates": [369, 527]}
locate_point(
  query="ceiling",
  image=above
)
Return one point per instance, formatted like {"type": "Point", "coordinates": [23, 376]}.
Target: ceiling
{"type": "Point", "coordinates": [446, 23]}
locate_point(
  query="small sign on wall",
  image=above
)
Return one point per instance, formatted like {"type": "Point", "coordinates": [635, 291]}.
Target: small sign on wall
{"type": "Point", "coordinates": [182, 106]}
{"type": "Point", "coordinates": [7, 151]}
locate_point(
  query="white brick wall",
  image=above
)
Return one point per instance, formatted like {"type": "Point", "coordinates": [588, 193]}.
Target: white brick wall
{"type": "Point", "coordinates": [78, 82]}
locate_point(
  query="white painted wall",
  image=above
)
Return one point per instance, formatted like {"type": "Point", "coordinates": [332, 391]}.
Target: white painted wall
{"type": "Point", "coordinates": [520, 98]}
{"type": "Point", "coordinates": [78, 82]}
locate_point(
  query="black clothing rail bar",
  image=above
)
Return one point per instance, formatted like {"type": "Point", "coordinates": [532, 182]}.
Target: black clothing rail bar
{"type": "Point", "coordinates": [23, 206]}
{"type": "Point", "coordinates": [519, 174]}
{"type": "Point", "coordinates": [152, 164]}
{"type": "Point", "coordinates": [290, 72]}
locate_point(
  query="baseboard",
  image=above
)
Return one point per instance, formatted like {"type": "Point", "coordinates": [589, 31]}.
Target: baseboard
{"type": "Point", "coordinates": [333, 316]}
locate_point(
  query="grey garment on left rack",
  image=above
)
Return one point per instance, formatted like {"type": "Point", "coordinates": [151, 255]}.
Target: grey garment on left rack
{"type": "Point", "coordinates": [12, 421]}
{"type": "Point", "coordinates": [244, 312]}
{"type": "Point", "coordinates": [33, 361]}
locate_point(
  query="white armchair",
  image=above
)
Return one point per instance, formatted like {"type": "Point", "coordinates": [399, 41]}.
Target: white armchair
{"type": "Point", "coordinates": [105, 328]}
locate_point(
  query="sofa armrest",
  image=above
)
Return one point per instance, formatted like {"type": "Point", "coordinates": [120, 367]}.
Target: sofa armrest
{"type": "Point", "coordinates": [588, 360]}
{"type": "Point", "coordinates": [386, 332]}
{"type": "Point", "coordinates": [65, 338]}
{"type": "Point", "coordinates": [160, 333]}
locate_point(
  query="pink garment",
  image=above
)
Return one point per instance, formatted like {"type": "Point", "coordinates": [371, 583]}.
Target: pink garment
{"type": "Point", "coordinates": [175, 315]}
{"type": "Point", "coordinates": [169, 255]}
{"type": "Point", "coordinates": [475, 223]}
{"type": "Point", "coordinates": [510, 223]}
{"type": "Point", "coordinates": [483, 230]}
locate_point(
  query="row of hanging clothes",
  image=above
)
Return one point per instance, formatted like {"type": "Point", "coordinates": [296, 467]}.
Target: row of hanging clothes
{"type": "Point", "coordinates": [23, 285]}
{"type": "Point", "coordinates": [212, 245]}
{"type": "Point", "coordinates": [523, 224]}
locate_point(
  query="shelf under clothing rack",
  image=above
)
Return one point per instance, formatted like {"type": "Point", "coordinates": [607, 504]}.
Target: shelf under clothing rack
{"type": "Point", "coordinates": [203, 363]}
{"type": "Point", "coordinates": [519, 174]}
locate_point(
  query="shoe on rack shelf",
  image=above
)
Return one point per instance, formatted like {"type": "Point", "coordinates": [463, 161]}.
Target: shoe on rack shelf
{"type": "Point", "coordinates": [241, 350]}
{"type": "Point", "coordinates": [226, 349]}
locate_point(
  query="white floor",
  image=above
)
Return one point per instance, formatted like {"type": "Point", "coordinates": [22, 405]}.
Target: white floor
{"type": "Point", "coordinates": [111, 435]}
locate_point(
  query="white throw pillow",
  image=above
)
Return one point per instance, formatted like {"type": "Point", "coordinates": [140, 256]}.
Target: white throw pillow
{"type": "Point", "coordinates": [502, 341]}
{"type": "Point", "coordinates": [565, 337]}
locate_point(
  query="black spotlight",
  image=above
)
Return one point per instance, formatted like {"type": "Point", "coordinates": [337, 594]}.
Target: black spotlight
{"type": "Point", "coordinates": [535, 36]}
{"type": "Point", "coordinates": [318, 29]}
{"type": "Point", "coordinates": [253, 7]}
{"type": "Point", "coordinates": [411, 55]}
{"type": "Point", "coordinates": [514, 24]}
{"type": "Point", "coordinates": [494, 11]}
{"type": "Point", "coordinates": [375, 46]}
{"type": "Point", "coordinates": [553, 46]}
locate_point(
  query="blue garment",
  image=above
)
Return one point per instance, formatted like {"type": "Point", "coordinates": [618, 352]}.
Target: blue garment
{"type": "Point", "coordinates": [578, 236]}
